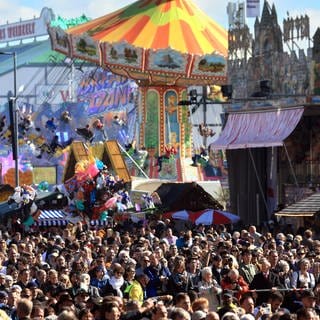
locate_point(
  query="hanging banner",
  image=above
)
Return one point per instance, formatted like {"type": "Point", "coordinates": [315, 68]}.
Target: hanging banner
{"type": "Point", "coordinates": [253, 8]}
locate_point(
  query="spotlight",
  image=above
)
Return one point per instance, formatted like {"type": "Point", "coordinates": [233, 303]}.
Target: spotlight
{"type": "Point", "coordinates": [227, 91]}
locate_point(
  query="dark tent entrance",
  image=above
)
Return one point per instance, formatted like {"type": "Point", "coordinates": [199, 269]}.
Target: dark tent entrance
{"type": "Point", "coordinates": [251, 141]}
{"type": "Point", "coordinates": [247, 193]}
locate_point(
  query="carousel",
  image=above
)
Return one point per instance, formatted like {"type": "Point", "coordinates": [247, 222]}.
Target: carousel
{"type": "Point", "coordinates": [165, 46]}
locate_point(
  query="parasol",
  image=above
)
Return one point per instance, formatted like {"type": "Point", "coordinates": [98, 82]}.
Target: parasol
{"type": "Point", "coordinates": [178, 215]}
{"type": "Point", "coordinates": [206, 217]}
{"type": "Point", "coordinates": [213, 216]}
{"type": "Point", "coordinates": [168, 42]}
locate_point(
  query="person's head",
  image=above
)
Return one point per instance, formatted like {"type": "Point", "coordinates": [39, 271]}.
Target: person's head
{"type": "Point", "coordinates": [24, 275]}
{"type": "Point", "coordinates": [247, 303]}
{"type": "Point", "coordinates": [233, 274]}
{"type": "Point", "coordinates": [85, 279]}
{"type": "Point", "coordinates": [85, 314]}
{"type": "Point", "coordinates": [212, 316]}
{"type": "Point", "coordinates": [118, 271]}
{"type": "Point", "coordinates": [227, 297]}
{"type": "Point", "coordinates": [308, 299]}
{"type": "Point", "coordinates": [37, 312]}
{"type": "Point", "coordinates": [206, 274]}
{"type": "Point", "coordinates": [111, 311]}
{"type": "Point", "coordinates": [143, 279]}
{"type": "Point", "coordinates": [217, 261]}
{"type": "Point", "coordinates": [53, 276]}
{"type": "Point", "coordinates": [2, 279]}
{"type": "Point", "coordinates": [200, 304]}
{"type": "Point", "coordinates": [306, 314]}
{"type": "Point", "coordinates": [273, 257]}
{"type": "Point", "coordinates": [26, 293]}
{"type": "Point", "coordinates": [179, 264]}
{"type": "Point", "coordinates": [24, 308]}
{"type": "Point", "coordinates": [183, 301]}
{"type": "Point", "coordinates": [193, 264]}
{"type": "Point", "coordinates": [67, 315]}
{"type": "Point", "coordinates": [246, 256]}
{"type": "Point", "coordinates": [276, 300]}
{"type": "Point", "coordinates": [82, 296]}
{"type": "Point", "coordinates": [304, 264]}
{"type": "Point", "coordinates": [4, 297]}
{"type": "Point", "coordinates": [129, 273]}
{"type": "Point", "coordinates": [198, 315]}
{"type": "Point", "coordinates": [252, 229]}
{"type": "Point", "coordinates": [265, 265]}
{"type": "Point", "coordinates": [230, 316]}
{"type": "Point", "coordinates": [179, 314]}
{"type": "Point", "coordinates": [159, 311]}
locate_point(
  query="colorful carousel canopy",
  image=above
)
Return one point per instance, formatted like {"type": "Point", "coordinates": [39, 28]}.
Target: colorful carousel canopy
{"type": "Point", "coordinates": [169, 42]}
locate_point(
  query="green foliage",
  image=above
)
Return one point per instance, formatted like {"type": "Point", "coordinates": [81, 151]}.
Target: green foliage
{"type": "Point", "coordinates": [64, 23]}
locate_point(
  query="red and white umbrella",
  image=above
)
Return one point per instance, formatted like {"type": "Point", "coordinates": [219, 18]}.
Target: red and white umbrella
{"type": "Point", "coordinates": [206, 217]}
{"type": "Point", "coordinates": [179, 215]}
{"type": "Point", "coordinates": [213, 216]}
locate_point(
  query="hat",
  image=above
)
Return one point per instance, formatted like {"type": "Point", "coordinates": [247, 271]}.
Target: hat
{"type": "Point", "coordinates": [15, 287]}
{"type": "Point", "coordinates": [307, 294]}
{"type": "Point", "coordinates": [65, 296]}
{"type": "Point", "coordinates": [227, 293]}
{"type": "Point", "coordinates": [32, 284]}
{"type": "Point", "coordinates": [198, 315]}
{"type": "Point", "coordinates": [3, 294]}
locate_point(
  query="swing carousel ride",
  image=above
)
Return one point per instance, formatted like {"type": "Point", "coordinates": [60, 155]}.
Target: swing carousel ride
{"type": "Point", "coordinates": [165, 46]}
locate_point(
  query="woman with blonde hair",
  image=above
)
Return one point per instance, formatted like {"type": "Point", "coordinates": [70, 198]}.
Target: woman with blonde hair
{"type": "Point", "coordinates": [209, 288]}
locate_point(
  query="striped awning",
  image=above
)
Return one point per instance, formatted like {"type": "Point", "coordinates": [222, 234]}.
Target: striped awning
{"type": "Point", "coordinates": [258, 129]}
{"type": "Point", "coordinates": [307, 207]}
{"type": "Point", "coordinates": [60, 218]}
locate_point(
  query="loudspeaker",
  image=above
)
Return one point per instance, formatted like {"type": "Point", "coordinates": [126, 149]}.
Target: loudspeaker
{"type": "Point", "coordinates": [227, 90]}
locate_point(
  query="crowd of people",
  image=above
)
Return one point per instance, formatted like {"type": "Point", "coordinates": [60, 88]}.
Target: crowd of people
{"type": "Point", "coordinates": [152, 271]}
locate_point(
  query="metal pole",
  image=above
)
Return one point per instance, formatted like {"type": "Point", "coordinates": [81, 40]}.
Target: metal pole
{"type": "Point", "coordinates": [14, 116]}
{"type": "Point", "coordinates": [15, 119]}
{"type": "Point", "coordinates": [204, 96]}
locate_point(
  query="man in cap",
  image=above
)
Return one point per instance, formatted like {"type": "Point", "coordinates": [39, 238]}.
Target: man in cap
{"type": "Point", "coordinates": [227, 303]}
{"type": "Point", "coordinates": [138, 289]}
{"type": "Point", "coordinates": [81, 297]}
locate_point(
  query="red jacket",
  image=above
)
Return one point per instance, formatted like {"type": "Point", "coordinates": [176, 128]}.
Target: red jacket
{"type": "Point", "coordinates": [240, 286]}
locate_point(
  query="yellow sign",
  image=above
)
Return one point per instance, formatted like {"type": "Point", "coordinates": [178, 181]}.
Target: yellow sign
{"type": "Point", "coordinates": [48, 174]}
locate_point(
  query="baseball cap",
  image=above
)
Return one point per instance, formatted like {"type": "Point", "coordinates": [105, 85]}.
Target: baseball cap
{"type": "Point", "coordinates": [227, 293]}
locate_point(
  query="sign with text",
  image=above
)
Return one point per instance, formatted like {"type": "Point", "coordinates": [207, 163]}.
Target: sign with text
{"type": "Point", "coordinates": [28, 28]}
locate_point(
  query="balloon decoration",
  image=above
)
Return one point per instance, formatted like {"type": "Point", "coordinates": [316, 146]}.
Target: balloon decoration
{"type": "Point", "coordinates": [94, 194]}
{"type": "Point", "coordinates": [24, 196]}
{"type": "Point", "coordinates": [43, 186]}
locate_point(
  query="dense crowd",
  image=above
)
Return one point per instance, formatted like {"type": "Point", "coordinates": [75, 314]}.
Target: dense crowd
{"type": "Point", "coordinates": [152, 271]}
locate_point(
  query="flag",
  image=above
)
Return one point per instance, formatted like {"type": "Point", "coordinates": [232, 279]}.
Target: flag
{"type": "Point", "coordinates": [253, 8]}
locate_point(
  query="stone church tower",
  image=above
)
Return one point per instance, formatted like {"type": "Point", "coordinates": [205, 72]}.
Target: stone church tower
{"type": "Point", "coordinates": [268, 35]}
{"type": "Point", "coordinates": [288, 73]}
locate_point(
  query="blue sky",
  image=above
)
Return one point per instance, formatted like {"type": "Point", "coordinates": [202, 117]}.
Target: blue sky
{"type": "Point", "coordinates": [14, 9]}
